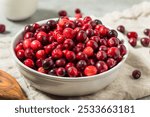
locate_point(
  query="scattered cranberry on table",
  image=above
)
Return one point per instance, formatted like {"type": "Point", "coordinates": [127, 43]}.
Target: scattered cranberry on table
{"type": "Point", "coordinates": [2, 28]}
{"type": "Point", "coordinates": [136, 74]}
{"type": "Point", "coordinates": [132, 35]}
{"type": "Point", "coordinates": [145, 42]}
{"type": "Point", "coordinates": [121, 29]}
{"type": "Point", "coordinates": [147, 32]}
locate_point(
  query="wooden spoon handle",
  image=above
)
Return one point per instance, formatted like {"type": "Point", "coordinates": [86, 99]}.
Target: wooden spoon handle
{"type": "Point", "coordinates": [9, 88]}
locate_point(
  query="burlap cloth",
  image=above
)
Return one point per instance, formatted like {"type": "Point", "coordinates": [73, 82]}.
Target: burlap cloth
{"type": "Point", "coordinates": [137, 19]}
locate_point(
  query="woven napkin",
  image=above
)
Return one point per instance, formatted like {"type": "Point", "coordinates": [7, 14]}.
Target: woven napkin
{"type": "Point", "coordinates": [137, 19]}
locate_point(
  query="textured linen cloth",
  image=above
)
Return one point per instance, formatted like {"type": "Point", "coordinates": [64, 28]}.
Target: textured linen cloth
{"type": "Point", "coordinates": [137, 19]}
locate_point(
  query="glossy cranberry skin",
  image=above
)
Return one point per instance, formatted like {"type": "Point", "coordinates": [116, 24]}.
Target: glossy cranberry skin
{"type": "Point", "coordinates": [29, 28]}
{"type": "Point", "coordinates": [78, 23]}
{"type": "Point", "coordinates": [61, 71]}
{"type": "Point", "coordinates": [52, 24]}
{"type": "Point", "coordinates": [95, 38]}
{"type": "Point", "coordinates": [81, 64]}
{"type": "Point", "coordinates": [113, 41]}
{"type": "Point", "coordinates": [2, 28]}
{"type": "Point", "coordinates": [52, 72]}
{"type": "Point", "coordinates": [132, 35]}
{"type": "Point", "coordinates": [113, 52]}
{"type": "Point", "coordinates": [72, 72]}
{"type": "Point", "coordinates": [49, 48]}
{"type": "Point", "coordinates": [28, 35]}
{"type": "Point", "coordinates": [18, 47]}
{"type": "Point", "coordinates": [60, 39]}
{"type": "Point", "coordinates": [88, 51]}
{"type": "Point", "coordinates": [39, 63]}
{"type": "Point", "coordinates": [98, 21]}
{"type": "Point", "coordinates": [41, 33]}
{"type": "Point", "coordinates": [145, 42]}
{"type": "Point", "coordinates": [36, 26]}
{"type": "Point", "coordinates": [57, 54]}
{"type": "Point", "coordinates": [133, 42]}
{"type": "Point", "coordinates": [60, 46]}
{"type": "Point", "coordinates": [103, 42]}
{"type": "Point", "coordinates": [81, 45]}
{"type": "Point", "coordinates": [42, 70]}
{"type": "Point", "coordinates": [90, 70]}
{"type": "Point", "coordinates": [91, 62]}
{"type": "Point", "coordinates": [101, 55]}
{"type": "Point", "coordinates": [86, 26]}
{"type": "Point", "coordinates": [68, 33]}
{"type": "Point", "coordinates": [81, 56]}
{"type": "Point", "coordinates": [136, 74]}
{"type": "Point", "coordinates": [77, 10]}
{"type": "Point", "coordinates": [92, 44]}
{"type": "Point", "coordinates": [112, 33]}
{"type": "Point", "coordinates": [40, 54]}
{"type": "Point", "coordinates": [101, 66]}
{"type": "Point", "coordinates": [60, 62]}
{"type": "Point", "coordinates": [93, 24]}
{"type": "Point", "coordinates": [103, 48]}
{"type": "Point", "coordinates": [36, 45]}
{"type": "Point", "coordinates": [87, 19]}
{"type": "Point", "coordinates": [68, 44]}
{"type": "Point", "coordinates": [62, 13]}
{"type": "Point", "coordinates": [147, 32]}
{"type": "Point", "coordinates": [90, 32]}
{"type": "Point", "coordinates": [70, 64]}
{"type": "Point", "coordinates": [47, 63]}
{"type": "Point", "coordinates": [29, 53]}
{"type": "Point", "coordinates": [70, 56]}
{"type": "Point", "coordinates": [96, 33]}
{"type": "Point", "coordinates": [51, 39]}
{"type": "Point", "coordinates": [26, 43]}
{"type": "Point", "coordinates": [29, 63]}
{"type": "Point", "coordinates": [20, 54]}
{"type": "Point", "coordinates": [121, 29]}
{"type": "Point", "coordinates": [78, 15]}
{"type": "Point", "coordinates": [81, 36]}
{"type": "Point", "coordinates": [122, 49]}
{"type": "Point", "coordinates": [103, 31]}
{"type": "Point", "coordinates": [69, 25]}
{"type": "Point", "coordinates": [111, 62]}
{"type": "Point", "coordinates": [119, 58]}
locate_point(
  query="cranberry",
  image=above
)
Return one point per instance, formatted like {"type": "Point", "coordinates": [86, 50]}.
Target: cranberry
{"type": "Point", "coordinates": [26, 43]}
{"type": "Point", "coordinates": [72, 72]}
{"type": "Point", "coordinates": [47, 63]}
{"type": "Point", "coordinates": [35, 45]}
{"type": "Point", "coordinates": [136, 74]}
{"type": "Point", "coordinates": [90, 32]}
{"type": "Point", "coordinates": [95, 38]}
{"type": "Point", "coordinates": [52, 24]}
{"type": "Point", "coordinates": [113, 52]}
{"type": "Point", "coordinates": [103, 48]}
{"type": "Point", "coordinates": [81, 45]}
{"type": "Point", "coordinates": [60, 46]}
{"type": "Point", "coordinates": [98, 27]}
{"type": "Point", "coordinates": [86, 26]}
{"type": "Point", "coordinates": [119, 59]}
{"type": "Point", "coordinates": [147, 32]}
{"type": "Point", "coordinates": [78, 23]}
{"type": "Point", "coordinates": [101, 55]}
{"type": "Point", "coordinates": [42, 70]}
{"type": "Point", "coordinates": [103, 31]}
{"type": "Point", "coordinates": [18, 47]}
{"type": "Point", "coordinates": [90, 70]}
{"type": "Point", "coordinates": [36, 26]}
{"type": "Point", "coordinates": [101, 66]}
{"type": "Point", "coordinates": [77, 10]}
{"type": "Point", "coordinates": [65, 51]}
{"type": "Point", "coordinates": [111, 63]}
{"type": "Point", "coordinates": [68, 44]}
{"type": "Point", "coordinates": [78, 15]}
{"type": "Point", "coordinates": [45, 28]}
{"type": "Point", "coordinates": [91, 62]}
{"type": "Point", "coordinates": [52, 72]}
{"type": "Point", "coordinates": [2, 28]}
{"type": "Point", "coordinates": [41, 33]}
{"type": "Point", "coordinates": [40, 54]}
{"type": "Point", "coordinates": [96, 33]}
{"type": "Point", "coordinates": [69, 25]}
{"type": "Point", "coordinates": [60, 62]}
{"type": "Point", "coordinates": [113, 41]}
{"type": "Point", "coordinates": [61, 71]}
{"type": "Point", "coordinates": [29, 28]}
{"type": "Point", "coordinates": [122, 49]}
{"type": "Point", "coordinates": [39, 63]}
{"type": "Point", "coordinates": [48, 48]}
{"type": "Point", "coordinates": [51, 39]}
{"type": "Point", "coordinates": [60, 39]}
{"type": "Point", "coordinates": [93, 24]}
{"type": "Point", "coordinates": [69, 65]}
{"type": "Point", "coordinates": [57, 53]}
{"type": "Point", "coordinates": [69, 33]}
{"type": "Point", "coordinates": [145, 42]}
{"type": "Point", "coordinates": [87, 19]}
{"type": "Point", "coordinates": [121, 29]}
{"type": "Point", "coordinates": [29, 63]}
{"type": "Point", "coordinates": [28, 35]}
{"type": "Point", "coordinates": [81, 36]}
{"type": "Point", "coordinates": [112, 33]}
{"type": "Point", "coordinates": [97, 21]}
{"type": "Point", "coordinates": [70, 56]}
{"type": "Point", "coordinates": [103, 42]}
{"type": "Point", "coordinates": [92, 44]}
{"type": "Point", "coordinates": [88, 51]}
{"type": "Point", "coordinates": [62, 13]}
{"type": "Point", "coordinates": [20, 54]}
{"type": "Point", "coordinates": [132, 35]}
{"type": "Point", "coordinates": [133, 42]}
{"type": "Point", "coordinates": [81, 56]}
{"type": "Point", "coordinates": [81, 65]}
{"type": "Point", "coordinates": [29, 53]}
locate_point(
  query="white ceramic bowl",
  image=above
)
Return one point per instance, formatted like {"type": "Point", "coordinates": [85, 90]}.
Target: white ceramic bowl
{"type": "Point", "coordinates": [66, 86]}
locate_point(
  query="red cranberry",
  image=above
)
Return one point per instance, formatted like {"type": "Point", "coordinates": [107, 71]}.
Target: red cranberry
{"type": "Point", "coordinates": [28, 35]}
{"type": "Point", "coordinates": [103, 42]}
{"type": "Point", "coordinates": [81, 65]}
{"type": "Point", "coordinates": [62, 13]}
{"type": "Point", "coordinates": [88, 51]}
{"type": "Point", "coordinates": [96, 33]}
{"type": "Point", "coordinates": [49, 48]}
{"type": "Point", "coordinates": [113, 52]}
{"type": "Point", "coordinates": [70, 56]}
{"type": "Point", "coordinates": [57, 53]}
{"type": "Point", "coordinates": [36, 26]}
{"type": "Point", "coordinates": [91, 62]}
{"type": "Point", "coordinates": [101, 55]}
{"type": "Point", "coordinates": [103, 48]}
{"type": "Point", "coordinates": [2, 28]}
{"type": "Point", "coordinates": [98, 27]}
{"type": "Point", "coordinates": [42, 70]}
{"type": "Point", "coordinates": [60, 46]}
{"type": "Point", "coordinates": [133, 42]}
{"type": "Point", "coordinates": [41, 33]}
{"type": "Point", "coordinates": [69, 25]}
{"type": "Point", "coordinates": [92, 44]}
{"type": "Point", "coordinates": [122, 49]}
{"type": "Point", "coordinates": [20, 54]}
{"type": "Point", "coordinates": [62, 22]}
{"type": "Point", "coordinates": [81, 56]}
{"type": "Point", "coordinates": [60, 62]}
{"type": "Point", "coordinates": [136, 74]}
{"type": "Point", "coordinates": [95, 38]}
{"type": "Point", "coordinates": [101, 66]}
{"type": "Point", "coordinates": [72, 72]}
{"type": "Point", "coordinates": [61, 71]}
{"type": "Point", "coordinates": [51, 39]}
{"type": "Point", "coordinates": [40, 54]}
{"type": "Point", "coordinates": [90, 32]}
{"type": "Point", "coordinates": [29, 63]}
{"type": "Point", "coordinates": [103, 31]}
{"type": "Point", "coordinates": [29, 53]}
{"type": "Point", "coordinates": [147, 32]}
{"type": "Point", "coordinates": [87, 19]}
{"type": "Point", "coordinates": [65, 51]}
{"type": "Point", "coordinates": [119, 59]}
{"type": "Point", "coordinates": [111, 63]}
{"type": "Point", "coordinates": [112, 33]}
{"type": "Point", "coordinates": [113, 41]}
{"type": "Point", "coordinates": [68, 44]}
{"type": "Point", "coordinates": [36, 45]}
{"type": "Point", "coordinates": [69, 65]}
{"type": "Point", "coordinates": [90, 70]}
{"type": "Point", "coordinates": [26, 43]}
{"type": "Point", "coordinates": [60, 39]}
{"type": "Point", "coordinates": [97, 21]}
{"type": "Point", "coordinates": [39, 63]}
{"type": "Point", "coordinates": [86, 26]}
{"type": "Point", "coordinates": [69, 33]}
{"type": "Point", "coordinates": [81, 45]}
{"type": "Point", "coordinates": [18, 47]}
{"type": "Point", "coordinates": [132, 35]}
{"type": "Point", "coordinates": [78, 23]}
{"type": "Point", "coordinates": [29, 28]}
{"type": "Point", "coordinates": [52, 24]}
{"type": "Point", "coordinates": [45, 28]}
{"type": "Point", "coordinates": [47, 63]}
{"type": "Point", "coordinates": [78, 15]}
{"type": "Point", "coordinates": [77, 10]}
{"type": "Point", "coordinates": [145, 42]}
{"type": "Point", "coordinates": [121, 29]}
{"type": "Point", "coordinates": [52, 72]}
{"type": "Point", "coordinates": [81, 36]}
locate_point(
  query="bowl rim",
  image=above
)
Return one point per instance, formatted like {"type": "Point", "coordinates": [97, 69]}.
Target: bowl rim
{"type": "Point", "coordinates": [15, 38]}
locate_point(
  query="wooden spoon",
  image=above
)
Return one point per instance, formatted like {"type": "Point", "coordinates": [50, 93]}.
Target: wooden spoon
{"type": "Point", "coordinates": [9, 88]}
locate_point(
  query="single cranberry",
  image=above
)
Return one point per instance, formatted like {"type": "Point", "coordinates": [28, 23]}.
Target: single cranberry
{"type": "Point", "coordinates": [78, 23]}
{"type": "Point", "coordinates": [68, 44]}
{"type": "Point", "coordinates": [29, 28]}
{"type": "Point", "coordinates": [62, 22]}
{"type": "Point", "coordinates": [60, 39]}
{"type": "Point", "coordinates": [26, 43]}
{"type": "Point", "coordinates": [29, 63]}
{"type": "Point", "coordinates": [52, 24]}
{"type": "Point", "coordinates": [52, 72]}
{"type": "Point", "coordinates": [113, 41]}
{"type": "Point", "coordinates": [133, 42]}
{"type": "Point", "coordinates": [86, 26]}
{"type": "Point", "coordinates": [147, 32]}
{"type": "Point", "coordinates": [95, 38]}
{"type": "Point", "coordinates": [36, 26]}
{"type": "Point", "coordinates": [51, 39]}
{"type": "Point", "coordinates": [60, 46]}
{"type": "Point", "coordinates": [2, 28]}
{"type": "Point", "coordinates": [69, 25]}
{"type": "Point", "coordinates": [61, 71]}
{"type": "Point", "coordinates": [101, 66]}
{"type": "Point", "coordinates": [42, 70]}
{"type": "Point", "coordinates": [103, 42]}
{"type": "Point", "coordinates": [60, 62]}
{"type": "Point", "coordinates": [93, 24]}
{"type": "Point", "coordinates": [92, 44]}
{"type": "Point", "coordinates": [90, 70]}
{"type": "Point", "coordinates": [132, 35]}
{"type": "Point", "coordinates": [98, 21]}
{"type": "Point", "coordinates": [136, 74]}
{"type": "Point", "coordinates": [87, 19]}
{"type": "Point", "coordinates": [69, 65]}
{"type": "Point", "coordinates": [39, 63]}
{"type": "Point", "coordinates": [29, 53]}
{"type": "Point", "coordinates": [119, 59]}
{"type": "Point", "coordinates": [81, 45]}
{"type": "Point", "coordinates": [28, 35]}
{"type": "Point", "coordinates": [103, 31]}
{"type": "Point", "coordinates": [36, 45]}
{"type": "Point", "coordinates": [111, 62]}
{"type": "Point", "coordinates": [96, 33]}
{"type": "Point", "coordinates": [77, 10]}
{"type": "Point", "coordinates": [101, 55]}
{"type": "Point", "coordinates": [98, 27]}
{"type": "Point", "coordinates": [40, 54]}
{"type": "Point", "coordinates": [18, 47]}
{"type": "Point", "coordinates": [81, 56]}
{"type": "Point", "coordinates": [45, 28]}
{"type": "Point", "coordinates": [41, 33]}
{"type": "Point", "coordinates": [88, 51]}
{"type": "Point", "coordinates": [113, 52]}
{"type": "Point", "coordinates": [68, 33]}
{"type": "Point", "coordinates": [57, 54]}
{"type": "Point", "coordinates": [49, 48]}
{"type": "Point", "coordinates": [103, 48]}
{"type": "Point", "coordinates": [122, 49]}
{"type": "Point", "coordinates": [91, 62]}
{"type": "Point", "coordinates": [76, 30]}
{"type": "Point", "coordinates": [20, 54]}
{"type": "Point", "coordinates": [64, 52]}
{"type": "Point", "coordinates": [90, 32]}
{"type": "Point", "coordinates": [47, 63]}
{"type": "Point", "coordinates": [145, 42]}
{"type": "Point", "coordinates": [72, 72]}
{"type": "Point", "coordinates": [81, 65]}
{"type": "Point", "coordinates": [121, 29]}
{"type": "Point", "coordinates": [78, 15]}
{"type": "Point", "coordinates": [81, 36]}
{"type": "Point", "coordinates": [112, 33]}
{"type": "Point", "coordinates": [62, 13]}
{"type": "Point", "coordinates": [54, 44]}
{"type": "Point", "coordinates": [70, 56]}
